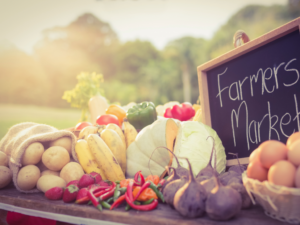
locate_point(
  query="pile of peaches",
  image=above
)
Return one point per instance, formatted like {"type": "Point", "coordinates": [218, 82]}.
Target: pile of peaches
{"type": "Point", "coordinates": [277, 162]}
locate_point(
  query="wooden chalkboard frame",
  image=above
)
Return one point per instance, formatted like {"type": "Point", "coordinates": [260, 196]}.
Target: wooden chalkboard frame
{"type": "Point", "coordinates": [233, 54]}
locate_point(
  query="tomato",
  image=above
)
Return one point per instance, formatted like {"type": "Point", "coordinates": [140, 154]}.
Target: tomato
{"type": "Point", "coordinates": [82, 125]}
{"type": "Point", "coordinates": [106, 119]}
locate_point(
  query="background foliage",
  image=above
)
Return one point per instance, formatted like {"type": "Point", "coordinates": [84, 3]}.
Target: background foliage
{"type": "Point", "coordinates": [134, 71]}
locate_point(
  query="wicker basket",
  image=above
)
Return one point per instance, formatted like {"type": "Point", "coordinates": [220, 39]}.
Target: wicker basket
{"type": "Point", "coordinates": [279, 202]}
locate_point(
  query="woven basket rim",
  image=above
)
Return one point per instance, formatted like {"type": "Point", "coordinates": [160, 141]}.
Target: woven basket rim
{"type": "Point", "coordinates": [272, 187]}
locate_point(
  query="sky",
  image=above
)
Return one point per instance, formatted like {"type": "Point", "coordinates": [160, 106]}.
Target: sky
{"type": "Point", "coordinates": [157, 21]}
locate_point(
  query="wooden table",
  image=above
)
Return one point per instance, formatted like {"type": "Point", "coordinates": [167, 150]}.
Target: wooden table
{"type": "Point", "coordinates": [13, 200]}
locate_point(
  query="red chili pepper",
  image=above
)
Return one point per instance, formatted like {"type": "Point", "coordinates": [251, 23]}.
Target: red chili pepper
{"type": "Point", "coordinates": [161, 183]}
{"type": "Point", "coordinates": [95, 193]}
{"type": "Point", "coordinates": [136, 178]}
{"type": "Point", "coordinates": [99, 188]}
{"type": "Point", "coordinates": [142, 178]}
{"type": "Point", "coordinates": [141, 207]}
{"type": "Point", "coordinates": [129, 190]}
{"type": "Point", "coordinates": [94, 200]}
{"type": "Point", "coordinates": [145, 186]}
{"type": "Point", "coordinates": [109, 193]}
{"type": "Point", "coordinates": [118, 202]}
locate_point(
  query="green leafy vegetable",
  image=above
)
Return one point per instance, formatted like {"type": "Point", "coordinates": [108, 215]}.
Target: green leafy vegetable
{"type": "Point", "coordinates": [89, 85]}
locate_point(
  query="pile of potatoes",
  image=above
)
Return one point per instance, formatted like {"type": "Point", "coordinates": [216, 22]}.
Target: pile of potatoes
{"type": "Point", "coordinates": [47, 168]}
{"type": "Point", "coordinates": [277, 162]}
{"type": "Point", "coordinates": [5, 172]}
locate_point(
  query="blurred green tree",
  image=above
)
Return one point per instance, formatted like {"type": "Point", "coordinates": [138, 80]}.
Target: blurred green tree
{"type": "Point", "coordinates": [87, 44]}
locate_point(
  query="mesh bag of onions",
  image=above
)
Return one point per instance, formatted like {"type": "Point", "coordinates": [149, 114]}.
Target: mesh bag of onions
{"type": "Point", "coordinates": [279, 202]}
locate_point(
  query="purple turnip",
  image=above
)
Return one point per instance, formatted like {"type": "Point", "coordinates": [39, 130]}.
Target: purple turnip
{"type": "Point", "coordinates": [237, 168]}
{"type": "Point", "coordinates": [223, 202]}
{"type": "Point", "coordinates": [225, 177]}
{"type": "Point", "coordinates": [240, 188]}
{"type": "Point", "coordinates": [207, 171]}
{"type": "Point", "coordinates": [172, 187]}
{"type": "Point", "coordinates": [172, 176]}
{"type": "Point", "coordinates": [189, 200]}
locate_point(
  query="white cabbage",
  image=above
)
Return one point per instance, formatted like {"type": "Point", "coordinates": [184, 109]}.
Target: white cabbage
{"type": "Point", "coordinates": [194, 142]}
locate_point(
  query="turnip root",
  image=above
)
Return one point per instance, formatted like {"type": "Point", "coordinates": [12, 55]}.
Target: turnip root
{"type": "Point", "coordinates": [208, 184]}
{"type": "Point", "coordinates": [208, 170]}
{"type": "Point", "coordinates": [237, 168]}
{"type": "Point", "coordinates": [171, 188]}
{"type": "Point", "coordinates": [202, 178]}
{"type": "Point", "coordinates": [223, 202]}
{"type": "Point", "coordinates": [246, 200]}
{"type": "Point", "coordinates": [225, 177]}
{"type": "Point", "coordinates": [237, 180]}
{"type": "Point", "coordinates": [172, 176]}
{"type": "Point", "coordinates": [189, 200]}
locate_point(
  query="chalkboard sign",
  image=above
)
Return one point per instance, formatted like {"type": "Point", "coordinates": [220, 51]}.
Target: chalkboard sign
{"type": "Point", "coordinates": [252, 93]}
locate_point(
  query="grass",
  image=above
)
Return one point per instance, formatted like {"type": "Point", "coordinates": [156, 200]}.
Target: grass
{"type": "Point", "coordinates": [14, 114]}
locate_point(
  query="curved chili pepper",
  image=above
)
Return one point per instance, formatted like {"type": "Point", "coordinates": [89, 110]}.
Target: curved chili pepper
{"type": "Point", "coordinates": [129, 190]}
{"type": "Point", "coordinates": [136, 176]}
{"type": "Point", "coordinates": [148, 207]}
{"type": "Point", "coordinates": [144, 187]}
{"type": "Point", "coordinates": [127, 207]}
{"type": "Point", "coordinates": [142, 178]}
{"type": "Point", "coordinates": [147, 194]}
{"type": "Point", "coordinates": [117, 202]}
{"type": "Point", "coordinates": [98, 188]}
{"type": "Point", "coordinates": [117, 193]}
{"type": "Point", "coordinates": [105, 204]}
{"type": "Point", "coordinates": [123, 190]}
{"type": "Point", "coordinates": [157, 192]}
{"type": "Point", "coordinates": [148, 201]}
{"type": "Point", "coordinates": [109, 193]}
{"type": "Point", "coordinates": [110, 200]}
{"type": "Point", "coordinates": [161, 183]}
{"type": "Point", "coordinates": [94, 200]}
{"type": "Point", "coordinates": [96, 194]}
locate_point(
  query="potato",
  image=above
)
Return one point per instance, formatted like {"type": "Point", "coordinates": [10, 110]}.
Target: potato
{"type": "Point", "coordinates": [50, 172]}
{"type": "Point", "coordinates": [33, 154]}
{"type": "Point", "coordinates": [47, 182]}
{"type": "Point", "coordinates": [55, 158]}
{"type": "Point", "coordinates": [3, 159]}
{"type": "Point", "coordinates": [5, 176]}
{"type": "Point", "coordinates": [71, 171]}
{"type": "Point", "coordinates": [65, 142]}
{"type": "Point", "coordinates": [28, 177]}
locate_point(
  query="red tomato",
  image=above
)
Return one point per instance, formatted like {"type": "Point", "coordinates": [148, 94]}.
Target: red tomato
{"type": "Point", "coordinates": [106, 119]}
{"type": "Point", "coordinates": [82, 125]}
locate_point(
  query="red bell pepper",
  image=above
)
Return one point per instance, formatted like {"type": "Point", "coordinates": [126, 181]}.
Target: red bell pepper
{"type": "Point", "coordinates": [182, 113]}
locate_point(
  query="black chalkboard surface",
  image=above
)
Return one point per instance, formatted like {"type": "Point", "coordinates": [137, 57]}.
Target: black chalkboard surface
{"type": "Point", "coordinates": [255, 96]}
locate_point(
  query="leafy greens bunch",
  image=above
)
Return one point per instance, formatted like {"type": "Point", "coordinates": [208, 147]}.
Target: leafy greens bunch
{"type": "Point", "coordinates": [88, 85]}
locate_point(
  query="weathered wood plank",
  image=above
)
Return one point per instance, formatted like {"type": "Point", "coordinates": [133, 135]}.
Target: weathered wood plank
{"type": "Point", "coordinates": [162, 215]}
